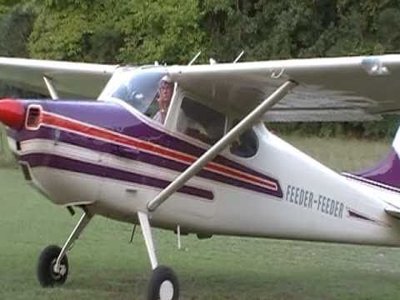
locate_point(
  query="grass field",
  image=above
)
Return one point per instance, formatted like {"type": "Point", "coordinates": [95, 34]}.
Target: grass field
{"type": "Point", "coordinates": [103, 265]}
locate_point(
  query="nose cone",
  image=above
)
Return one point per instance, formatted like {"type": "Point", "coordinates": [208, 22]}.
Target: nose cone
{"type": "Point", "coordinates": [12, 113]}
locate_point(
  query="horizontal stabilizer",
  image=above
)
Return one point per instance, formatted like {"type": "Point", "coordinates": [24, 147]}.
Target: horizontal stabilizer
{"type": "Point", "coordinates": [394, 212]}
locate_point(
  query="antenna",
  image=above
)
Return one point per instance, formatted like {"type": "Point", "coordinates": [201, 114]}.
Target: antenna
{"type": "Point", "coordinates": [194, 58]}
{"type": "Point", "coordinates": [238, 57]}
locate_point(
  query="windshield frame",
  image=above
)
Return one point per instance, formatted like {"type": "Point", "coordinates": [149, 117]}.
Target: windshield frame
{"type": "Point", "coordinates": [138, 87]}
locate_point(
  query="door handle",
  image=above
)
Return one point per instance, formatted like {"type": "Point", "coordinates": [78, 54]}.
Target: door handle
{"type": "Point", "coordinates": [125, 151]}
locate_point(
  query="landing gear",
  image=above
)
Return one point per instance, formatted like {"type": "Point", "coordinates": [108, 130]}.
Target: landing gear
{"type": "Point", "coordinates": [53, 265]}
{"type": "Point", "coordinates": [45, 270]}
{"type": "Point", "coordinates": [163, 284]}
{"type": "Point", "coordinates": [52, 268]}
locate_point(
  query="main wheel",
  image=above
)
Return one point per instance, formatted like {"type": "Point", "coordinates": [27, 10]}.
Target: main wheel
{"type": "Point", "coordinates": [163, 285]}
{"type": "Point", "coordinates": [46, 274]}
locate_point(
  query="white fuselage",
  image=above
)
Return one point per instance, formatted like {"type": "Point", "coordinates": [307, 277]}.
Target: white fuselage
{"type": "Point", "coordinates": [317, 203]}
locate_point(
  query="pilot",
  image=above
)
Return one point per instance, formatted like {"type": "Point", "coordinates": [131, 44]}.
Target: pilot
{"type": "Point", "coordinates": [185, 124]}
{"type": "Point", "coordinates": [166, 89]}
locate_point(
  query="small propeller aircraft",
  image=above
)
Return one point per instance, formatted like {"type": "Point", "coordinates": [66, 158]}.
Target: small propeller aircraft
{"type": "Point", "coordinates": [203, 161]}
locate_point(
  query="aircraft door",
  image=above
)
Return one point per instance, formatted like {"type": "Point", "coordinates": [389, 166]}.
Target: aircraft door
{"type": "Point", "coordinates": [121, 194]}
{"type": "Point", "coordinates": [74, 180]}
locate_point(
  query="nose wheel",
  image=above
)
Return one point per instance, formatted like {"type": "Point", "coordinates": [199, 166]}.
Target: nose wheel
{"type": "Point", "coordinates": [47, 274]}
{"type": "Point", "coordinates": [52, 268]}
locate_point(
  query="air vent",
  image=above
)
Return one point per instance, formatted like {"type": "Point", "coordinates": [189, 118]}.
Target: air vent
{"type": "Point", "coordinates": [34, 117]}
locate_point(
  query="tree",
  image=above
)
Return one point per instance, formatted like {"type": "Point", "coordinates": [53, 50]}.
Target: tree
{"type": "Point", "coordinates": [165, 31]}
{"type": "Point", "coordinates": [15, 28]}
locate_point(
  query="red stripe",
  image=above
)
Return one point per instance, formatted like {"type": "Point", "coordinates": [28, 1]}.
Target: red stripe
{"type": "Point", "coordinates": [108, 135]}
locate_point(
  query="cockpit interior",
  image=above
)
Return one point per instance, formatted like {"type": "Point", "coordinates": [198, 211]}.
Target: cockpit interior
{"type": "Point", "coordinates": [186, 113]}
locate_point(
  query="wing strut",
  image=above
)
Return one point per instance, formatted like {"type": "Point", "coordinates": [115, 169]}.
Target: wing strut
{"type": "Point", "coordinates": [211, 153]}
{"type": "Point", "coordinates": [50, 88]}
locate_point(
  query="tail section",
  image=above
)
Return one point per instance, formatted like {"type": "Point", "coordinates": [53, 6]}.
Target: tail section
{"type": "Point", "coordinates": [386, 173]}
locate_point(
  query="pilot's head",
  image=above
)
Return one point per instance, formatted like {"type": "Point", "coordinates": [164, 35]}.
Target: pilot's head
{"type": "Point", "coordinates": [166, 90]}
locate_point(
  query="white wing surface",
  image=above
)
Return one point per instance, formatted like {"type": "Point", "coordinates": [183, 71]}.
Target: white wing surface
{"type": "Point", "coordinates": [70, 79]}
{"type": "Point", "coordinates": [329, 89]}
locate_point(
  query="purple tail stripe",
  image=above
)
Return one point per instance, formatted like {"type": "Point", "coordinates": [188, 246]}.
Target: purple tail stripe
{"type": "Point", "coordinates": [386, 172]}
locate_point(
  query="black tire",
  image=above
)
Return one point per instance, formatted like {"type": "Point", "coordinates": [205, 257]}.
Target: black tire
{"type": "Point", "coordinates": [163, 276]}
{"type": "Point", "coordinates": [45, 272]}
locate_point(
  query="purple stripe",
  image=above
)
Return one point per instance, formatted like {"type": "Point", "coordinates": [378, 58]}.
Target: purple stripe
{"type": "Point", "coordinates": [126, 152]}
{"type": "Point", "coordinates": [59, 162]}
{"type": "Point", "coordinates": [356, 215]}
{"type": "Point", "coordinates": [386, 172]}
{"type": "Point", "coordinates": [373, 183]}
{"type": "Point", "coordinates": [116, 118]}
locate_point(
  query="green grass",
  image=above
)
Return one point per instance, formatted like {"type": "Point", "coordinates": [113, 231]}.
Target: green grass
{"type": "Point", "coordinates": [342, 154]}
{"type": "Point", "coordinates": [103, 265]}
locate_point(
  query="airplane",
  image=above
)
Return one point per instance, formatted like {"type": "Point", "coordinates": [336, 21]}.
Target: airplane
{"type": "Point", "coordinates": [94, 145]}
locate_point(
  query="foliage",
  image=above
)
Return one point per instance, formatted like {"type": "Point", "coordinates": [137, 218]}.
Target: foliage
{"type": "Point", "coordinates": [166, 31]}
{"type": "Point", "coordinates": [116, 31]}
{"type": "Point", "coordinates": [385, 129]}
{"type": "Point", "coordinates": [172, 31]}
{"type": "Point", "coordinates": [15, 28]}
{"type": "Point", "coordinates": [76, 30]}
{"type": "Point", "coordinates": [16, 24]}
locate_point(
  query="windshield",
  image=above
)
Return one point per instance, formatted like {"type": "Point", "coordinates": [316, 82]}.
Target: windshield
{"type": "Point", "coordinates": [136, 86]}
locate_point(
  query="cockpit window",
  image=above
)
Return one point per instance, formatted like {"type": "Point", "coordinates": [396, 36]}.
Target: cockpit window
{"type": "Point", "coordinates": [246, 145]}
{"type": "Point", "coordinates": [136, 86]}
{"type": "Point", "coordinates": [200, 121]}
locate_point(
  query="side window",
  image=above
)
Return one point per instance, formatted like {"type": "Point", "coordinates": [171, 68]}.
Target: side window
{"type": "Point", "coordinates": [200, 121]}
{"type": "Point", "coordinates": [246, 145]}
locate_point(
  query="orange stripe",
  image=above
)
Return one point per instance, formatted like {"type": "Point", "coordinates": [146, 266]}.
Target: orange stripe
{"type": "Point", "coordinates": [108, 135]}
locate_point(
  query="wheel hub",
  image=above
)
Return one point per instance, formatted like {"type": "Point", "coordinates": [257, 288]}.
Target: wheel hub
{"type": "Point", "coordinates": [166, 290]}
{"type": "Point", "coordinates": [59, 272]}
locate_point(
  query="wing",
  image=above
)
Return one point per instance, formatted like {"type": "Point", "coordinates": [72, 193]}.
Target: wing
{"type": "Point", "coordinates": [329, 89]}
{"type": "Point", "coordinates": [70, 79]}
